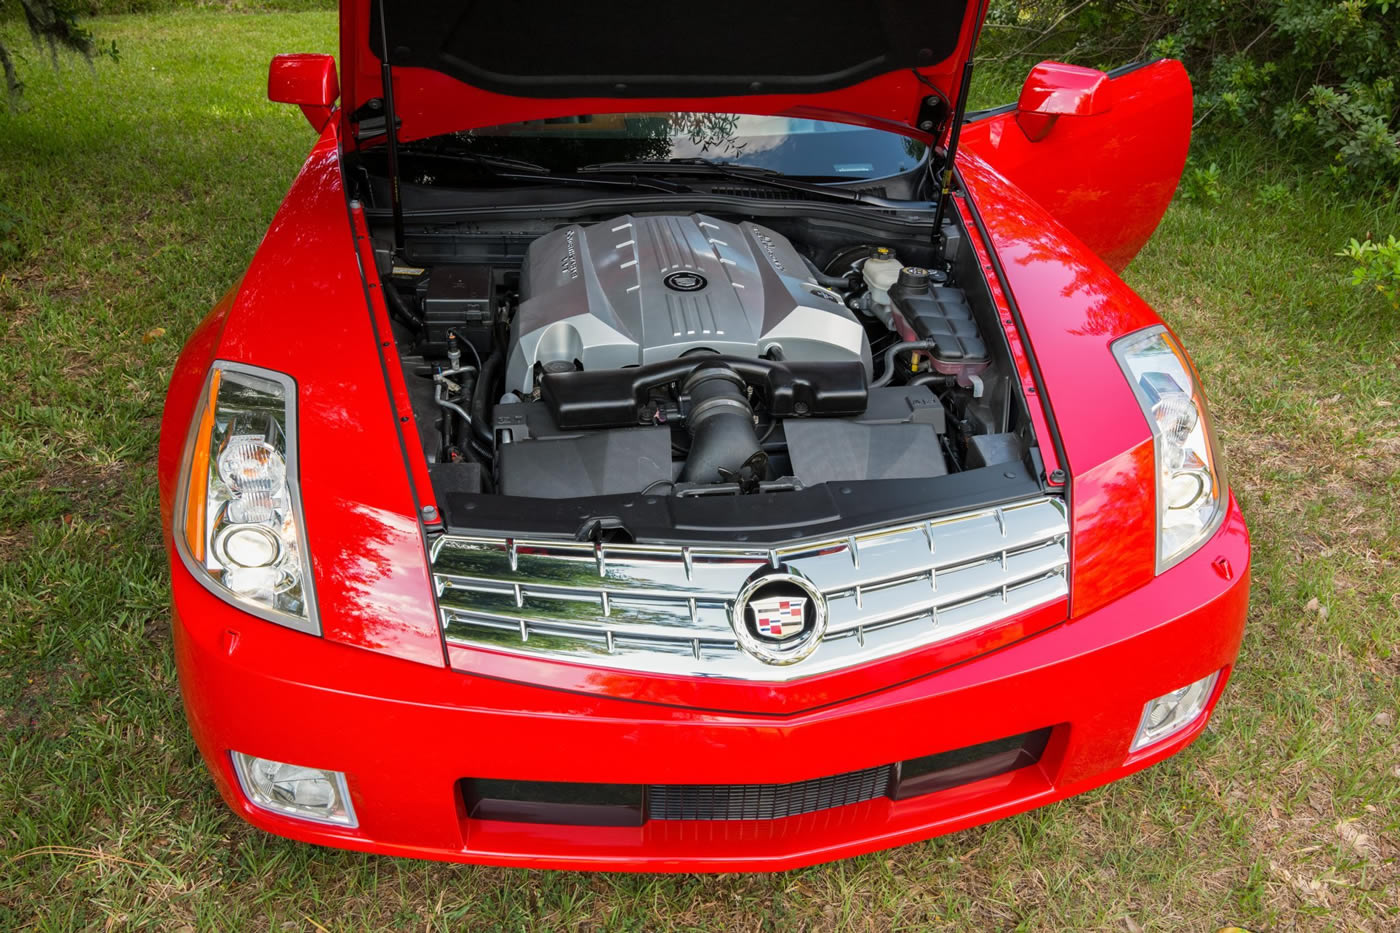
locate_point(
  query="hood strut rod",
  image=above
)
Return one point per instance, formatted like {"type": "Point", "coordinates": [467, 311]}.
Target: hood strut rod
{"type": "Point", "coordinates": [954, 132]}
{"type": "Point", "coordinates": [391, 124]}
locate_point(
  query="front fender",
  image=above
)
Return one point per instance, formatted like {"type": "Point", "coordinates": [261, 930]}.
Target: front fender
{"type": "Point", "coordinates": [303, 309]}
{"type": "Point", "coordinates": [1074, 306]}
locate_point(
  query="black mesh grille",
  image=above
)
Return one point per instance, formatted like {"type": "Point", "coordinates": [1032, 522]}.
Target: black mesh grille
{"type": "Point", "coordinates": [577, 804]}
{"type": "Point", "coordinates": [765, 801]}
{"type": "Point", "coordinates": [765, 194]}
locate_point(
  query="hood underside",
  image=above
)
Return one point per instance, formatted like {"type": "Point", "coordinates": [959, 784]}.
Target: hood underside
{"type": "Point", "coordinates": [892, 63]}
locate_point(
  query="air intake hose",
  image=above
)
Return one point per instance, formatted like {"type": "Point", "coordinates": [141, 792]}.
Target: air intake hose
{"type": "Point", "coordinates": [720, 421]}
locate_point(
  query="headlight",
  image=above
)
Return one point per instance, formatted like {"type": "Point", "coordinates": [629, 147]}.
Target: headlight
{"type": "Point", "coordinates": [1191, 490]}
{"type": "Point", "coordinates": [240, 530]}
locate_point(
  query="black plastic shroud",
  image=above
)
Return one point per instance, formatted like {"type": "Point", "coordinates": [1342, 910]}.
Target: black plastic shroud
{"type": "Point", "coordinates": [616, 398]}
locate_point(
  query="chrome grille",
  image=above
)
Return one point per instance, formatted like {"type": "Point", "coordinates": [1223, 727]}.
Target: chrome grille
{"type": "Point", "coordinates": [665, 609]}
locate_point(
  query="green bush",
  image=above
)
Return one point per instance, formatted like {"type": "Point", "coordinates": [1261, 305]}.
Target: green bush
{"type": "Point", "coordinates": [1376, 267]}
{"type": "Point", "coordinates": [1320, 75]}
{"type": "Point", "coordinates": [1202, 184]}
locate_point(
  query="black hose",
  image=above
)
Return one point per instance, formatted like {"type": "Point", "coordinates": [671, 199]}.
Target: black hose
{"type": "Point", "coordinates": [453, 335]}
{"type": "Point", "coordinates": [827, 281]}
{"type": "Point", "coordinates": [888, 375]}
{"type": "Point", "coordinates": [935, 379]}
{"type": "Point", "coordinates": [399, 309]}
{"type": "Point", "coordinates": [481, 393]}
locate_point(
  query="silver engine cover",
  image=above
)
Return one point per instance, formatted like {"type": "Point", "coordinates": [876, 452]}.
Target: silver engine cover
{"type": "Point", "coordinates": [636, 290]}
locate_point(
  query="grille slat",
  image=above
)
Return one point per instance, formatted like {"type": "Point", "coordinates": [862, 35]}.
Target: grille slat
{"type": "Point", "coordinates": [665, 609]}
{"type": "Point", "coordinates": [766, 801]}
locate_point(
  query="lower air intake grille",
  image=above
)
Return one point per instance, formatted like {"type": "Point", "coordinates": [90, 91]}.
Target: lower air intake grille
{"type": "Point", "coordinates": [765, 801]}
{"type": "Point", "coordinates": [578, 804]}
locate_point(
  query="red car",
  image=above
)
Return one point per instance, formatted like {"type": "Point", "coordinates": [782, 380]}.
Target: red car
{"type": "Point", "coordinates": [695, 443]}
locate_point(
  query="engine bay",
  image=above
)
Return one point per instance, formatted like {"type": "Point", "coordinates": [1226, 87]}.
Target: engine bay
{"type": "Point", "coordinates": [691, 356]}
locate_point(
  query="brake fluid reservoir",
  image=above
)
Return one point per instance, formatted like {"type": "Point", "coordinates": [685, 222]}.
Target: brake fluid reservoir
{"type": "Point", "coordinates": [880, 272]}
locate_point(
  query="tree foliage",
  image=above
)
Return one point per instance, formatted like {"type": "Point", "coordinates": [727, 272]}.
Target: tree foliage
{"type": "Point", "coordinates": [55, 27]}
{"type": "Point", "coordinates": [1320, 75]}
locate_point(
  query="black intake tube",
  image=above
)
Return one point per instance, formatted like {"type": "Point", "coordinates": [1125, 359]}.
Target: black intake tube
{"type": "Point", "coordinates": [720, 421]}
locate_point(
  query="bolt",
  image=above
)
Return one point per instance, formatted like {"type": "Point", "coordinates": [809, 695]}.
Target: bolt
{"type": "Point", "coordinates": [932, 100]}
{"type": "Point", "coordinates": [429, 513]}
{"type": "Point", "coordinates": [800, 408]}
{"type": "Point", "coordinates": [925, 124]}
{"type": "Point", "coordinates": [1058, 477]}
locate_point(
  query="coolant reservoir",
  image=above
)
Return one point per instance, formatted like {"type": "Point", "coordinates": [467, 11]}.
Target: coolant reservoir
{"type": "Point", "coordinates": [880, 272]}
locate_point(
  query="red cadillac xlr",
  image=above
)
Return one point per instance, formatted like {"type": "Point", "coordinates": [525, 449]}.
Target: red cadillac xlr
{"type": "Point", "coordinates": [692, 441]}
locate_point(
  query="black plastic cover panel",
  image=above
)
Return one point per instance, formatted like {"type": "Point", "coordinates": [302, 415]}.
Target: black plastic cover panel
{"type": "Point", "coordinates": [828, 451]}
{"type": "Point", "coordinates": [616, 397]}
{"type": "Point", "coordinates": [632, 48]}
{"type": "Point", "coordinates": [601, 463]}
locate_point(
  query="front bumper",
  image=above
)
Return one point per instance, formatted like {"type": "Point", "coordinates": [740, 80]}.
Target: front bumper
{"type": "Point", "coordinates": [406, 734]}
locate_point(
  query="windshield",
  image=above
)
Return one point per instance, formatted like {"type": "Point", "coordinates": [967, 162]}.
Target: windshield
{"type": "Point", "coordinates": [790, 145]}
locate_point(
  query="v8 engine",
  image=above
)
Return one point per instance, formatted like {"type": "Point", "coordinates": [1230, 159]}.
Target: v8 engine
{"type": "Point", "coordinates": [699, 355]}
{"type": "Point", "coordinates": [638, 290]}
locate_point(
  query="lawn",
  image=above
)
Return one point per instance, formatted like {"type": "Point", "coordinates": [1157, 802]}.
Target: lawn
{"type": "Point", "coordinates": [139, 191]}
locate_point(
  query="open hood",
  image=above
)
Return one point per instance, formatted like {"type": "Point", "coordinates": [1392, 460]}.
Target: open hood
{"type": "Point", "coordinates": [462, 64]}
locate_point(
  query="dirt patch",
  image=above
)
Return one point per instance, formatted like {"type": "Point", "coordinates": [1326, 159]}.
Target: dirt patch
{"type": "Point", "coordinates": [92, 486]}
{"type": "Point", "coordinates": [35, 696]}
{"type": "Point", "coordinates": [14, 542]}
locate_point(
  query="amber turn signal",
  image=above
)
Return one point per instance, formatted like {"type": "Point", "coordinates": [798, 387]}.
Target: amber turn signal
{"type": "Point", "coordinates": [197, 493]}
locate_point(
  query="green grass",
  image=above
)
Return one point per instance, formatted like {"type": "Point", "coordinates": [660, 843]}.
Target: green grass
{"type": "Point", "coordinates": [142, 190]}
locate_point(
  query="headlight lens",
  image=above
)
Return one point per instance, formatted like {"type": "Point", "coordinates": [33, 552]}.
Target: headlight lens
{"type": "Point", "coordinates": [242, 526]}
{"type": "Point", "coordinates": [1191, 490]}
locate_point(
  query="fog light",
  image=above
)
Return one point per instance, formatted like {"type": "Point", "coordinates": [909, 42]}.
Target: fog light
{"type": "Point", "coordinates": [315, 794]}
{"type": "Point", "coordinates": [1167, 715]}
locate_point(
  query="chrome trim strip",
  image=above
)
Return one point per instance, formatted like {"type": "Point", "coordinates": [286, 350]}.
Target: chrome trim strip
{"type": "Point", "coordinates": [664, 610]}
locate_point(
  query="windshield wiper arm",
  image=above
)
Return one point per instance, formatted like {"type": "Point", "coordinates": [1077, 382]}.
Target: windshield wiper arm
{"type": "Point", "coordinates": [694, 165]}
{"type": "Point", "coordinates": [477, 158]}
{"type": "Point", "coordinates": [752, 174]}
{"type": "Point", "coordinates": [521, 169]}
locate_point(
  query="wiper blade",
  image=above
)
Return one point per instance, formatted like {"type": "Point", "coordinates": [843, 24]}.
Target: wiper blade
{"type": "Point", "coordinates": [679, 166]}
{"type": "Point", "coordinates": [748, 173]}
{"type": "Point", "coordinates": [477, 158]}
{"type": "Point", "coordinates": [521, 169]}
